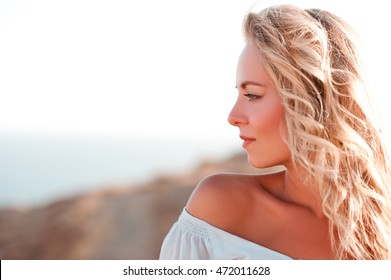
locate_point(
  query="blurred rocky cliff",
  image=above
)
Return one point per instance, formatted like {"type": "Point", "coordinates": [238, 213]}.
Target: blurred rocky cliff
{"type": "Point", "coordinates": [117, 223]}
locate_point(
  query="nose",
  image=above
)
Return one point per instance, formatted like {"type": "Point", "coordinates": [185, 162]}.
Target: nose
{"type": "Point", "coordinates": [237, 117]}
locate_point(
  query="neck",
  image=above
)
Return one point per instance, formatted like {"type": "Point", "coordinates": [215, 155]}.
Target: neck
{"type": "Point", "coordinates": [302, 191]}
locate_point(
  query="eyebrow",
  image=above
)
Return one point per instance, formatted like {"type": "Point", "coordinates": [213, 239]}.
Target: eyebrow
{"type": "Point", "coordinates": [250, 83]}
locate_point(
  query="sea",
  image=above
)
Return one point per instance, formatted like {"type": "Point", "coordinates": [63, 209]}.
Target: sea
{"type": "Point", "coordinates": [36, 169]}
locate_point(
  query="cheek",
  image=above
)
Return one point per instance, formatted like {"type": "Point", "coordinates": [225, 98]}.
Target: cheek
{"type": "Point", "coordinates": [270, 121]}
{"type": "Point", "coordinates": [271, 148]}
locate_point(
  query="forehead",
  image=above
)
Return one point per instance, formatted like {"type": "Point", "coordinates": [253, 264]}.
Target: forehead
{"type": "Point", "coordinates": [251, 67]}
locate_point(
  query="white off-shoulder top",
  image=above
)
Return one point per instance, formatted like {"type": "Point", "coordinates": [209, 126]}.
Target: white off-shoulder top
{"type": "Point", "coordinates": [192, 238]}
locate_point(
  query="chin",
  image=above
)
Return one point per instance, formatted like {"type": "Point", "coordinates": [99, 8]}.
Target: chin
{"type": "Point", "coordinates": [257, 163]}
{"type": "Point", "coordinates": [263, 163]}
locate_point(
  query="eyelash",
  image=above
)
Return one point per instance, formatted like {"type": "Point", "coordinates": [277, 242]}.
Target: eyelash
{"type": "Point", "coordinates": [252, 97]}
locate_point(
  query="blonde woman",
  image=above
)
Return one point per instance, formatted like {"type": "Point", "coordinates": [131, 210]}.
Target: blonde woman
{"type": "Point", "coordinates": [302, 104]}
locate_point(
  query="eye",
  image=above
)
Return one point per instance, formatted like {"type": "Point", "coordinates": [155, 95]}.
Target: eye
{"type": "Point", "coordinates": [252, 97]}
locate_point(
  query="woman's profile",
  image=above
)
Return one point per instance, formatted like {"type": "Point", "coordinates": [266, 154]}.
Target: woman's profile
{"type": "Point", "coordinates": [302, 104]}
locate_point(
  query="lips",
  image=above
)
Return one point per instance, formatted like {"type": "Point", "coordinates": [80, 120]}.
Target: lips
{"type": "Point", "coordinates": [246, 140]}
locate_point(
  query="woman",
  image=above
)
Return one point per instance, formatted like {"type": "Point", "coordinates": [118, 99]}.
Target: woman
{"type": "Point", "coordinates": [302, 104]}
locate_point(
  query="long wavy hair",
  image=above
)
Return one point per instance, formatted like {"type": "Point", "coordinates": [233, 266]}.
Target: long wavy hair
{"type": "Point", "coordinates": [313, 59]}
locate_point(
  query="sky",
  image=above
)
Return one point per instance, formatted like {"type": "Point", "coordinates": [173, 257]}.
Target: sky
{"type": "Point", "coordinates": [142, 68]}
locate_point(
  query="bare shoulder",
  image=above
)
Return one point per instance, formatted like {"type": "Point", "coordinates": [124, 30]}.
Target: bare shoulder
{"type": "Point", "coordinates": [224, 199]}
{"type": "Point", "coordinates": [252, 207]}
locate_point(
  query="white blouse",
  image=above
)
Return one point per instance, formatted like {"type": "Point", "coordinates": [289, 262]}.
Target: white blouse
{"type": "Point", "coordinates": [192, 238]}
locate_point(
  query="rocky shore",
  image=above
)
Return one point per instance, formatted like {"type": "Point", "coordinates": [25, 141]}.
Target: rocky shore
{"type": "Point", "coordinates": [117, 223]}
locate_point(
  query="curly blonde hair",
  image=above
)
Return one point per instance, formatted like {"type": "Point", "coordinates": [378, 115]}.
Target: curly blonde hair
{"type": "Point", "coordinates": [313, 59]}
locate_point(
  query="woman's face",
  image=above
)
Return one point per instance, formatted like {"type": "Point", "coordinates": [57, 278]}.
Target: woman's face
{"type": "Point", "coordinates": [258, 112]}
